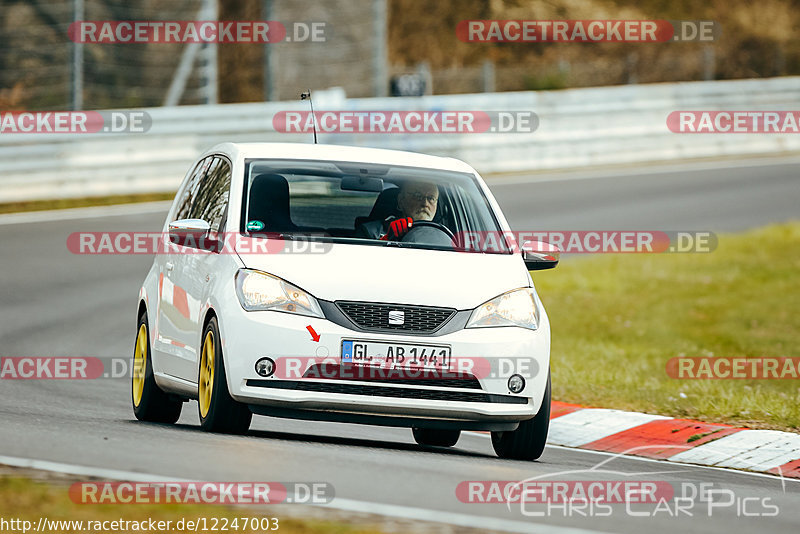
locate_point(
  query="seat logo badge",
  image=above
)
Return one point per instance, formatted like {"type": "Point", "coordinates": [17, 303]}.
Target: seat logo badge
{"type": "Point", "coordinates": [397, 317]}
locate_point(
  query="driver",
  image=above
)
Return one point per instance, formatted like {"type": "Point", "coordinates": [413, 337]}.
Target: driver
{"type": "Point", "coordinates": [416, 201]}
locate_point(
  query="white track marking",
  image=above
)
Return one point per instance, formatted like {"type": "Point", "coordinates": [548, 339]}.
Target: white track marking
{"type": "Point", "coordinates": [584, 426]}
{"type": "Point", "coordinates": [406, 512]}
{"type": "Point", "coordinates": [645, 169]}
{"type": "Point", "coordinates": [759, 450]}
{"type": "Point", "coordinates": [688, 465]}
{"type": "Point", "coordinates": [92, 212]}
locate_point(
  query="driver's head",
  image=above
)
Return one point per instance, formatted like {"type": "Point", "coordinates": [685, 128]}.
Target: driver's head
{"type": "Point", "coordinates": [418, 200]}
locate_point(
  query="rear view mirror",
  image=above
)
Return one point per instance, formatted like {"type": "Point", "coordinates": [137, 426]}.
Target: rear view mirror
{"type": "Point", "coordinates": [540, 255]}
{"type": "Point", "coordinates": [362, 183]}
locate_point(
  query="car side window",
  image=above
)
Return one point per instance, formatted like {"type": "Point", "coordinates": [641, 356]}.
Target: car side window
{"type": "Point", "coordinates": [211, 197]}
{"type": "Point", "coordinates": [190, 191]}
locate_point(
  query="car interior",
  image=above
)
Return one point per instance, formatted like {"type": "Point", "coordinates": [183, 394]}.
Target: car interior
{"type": "Point", "coordinates": [270, 202]}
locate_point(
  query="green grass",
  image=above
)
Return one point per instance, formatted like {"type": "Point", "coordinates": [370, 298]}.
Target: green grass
{"type": "Point", "coordinates": [22, 498]}
{"type": "Point", "coordinates": [617, 319]}
{"type": "Point", "coordinates": [64, 203]}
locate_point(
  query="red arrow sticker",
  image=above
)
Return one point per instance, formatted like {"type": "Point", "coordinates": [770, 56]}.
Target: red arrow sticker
{"type": "Point", "coordinates": [313, 333]}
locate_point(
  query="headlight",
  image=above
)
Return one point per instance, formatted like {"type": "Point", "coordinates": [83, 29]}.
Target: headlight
{"type": "Point", "coordinates": [261, 291]}
{"type": "Point", "coordinates": [515, 308]}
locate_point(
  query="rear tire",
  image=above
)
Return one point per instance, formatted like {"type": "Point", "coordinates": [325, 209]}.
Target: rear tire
{"type": "Point", "coordinates": [528, 440]}
{"type": "Point", "coordinates": [217, 409]}
{"type": "Point", "coordinates": [150, 403]}
{"type": "Point", "coordinates": [436, 437]}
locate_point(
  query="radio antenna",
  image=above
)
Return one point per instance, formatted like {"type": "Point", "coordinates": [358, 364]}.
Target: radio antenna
{"type": "Point", "coordinates": [306, 95]}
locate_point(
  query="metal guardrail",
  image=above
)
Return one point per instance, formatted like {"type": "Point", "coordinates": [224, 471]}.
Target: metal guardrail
{"type": "Point", "coordinates": [577, 128]}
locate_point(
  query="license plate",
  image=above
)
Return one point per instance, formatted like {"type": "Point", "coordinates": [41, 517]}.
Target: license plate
{"type": "Point", "coordinates": [396, 355]}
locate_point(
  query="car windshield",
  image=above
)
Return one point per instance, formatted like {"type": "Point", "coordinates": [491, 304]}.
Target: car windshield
{"type": "Point", "coordinates": [356, 202]}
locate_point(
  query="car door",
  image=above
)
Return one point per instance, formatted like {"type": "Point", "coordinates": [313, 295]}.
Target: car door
{"type": "Point", "coordinates": [193, 269]}
{"type": "Point", "coordinates": [174, 313]}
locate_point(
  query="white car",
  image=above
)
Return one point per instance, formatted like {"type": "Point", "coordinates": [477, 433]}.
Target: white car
{"type": "Point", "coordinates": [285, 289]}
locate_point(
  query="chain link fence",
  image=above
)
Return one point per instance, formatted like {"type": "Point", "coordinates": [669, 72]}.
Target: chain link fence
{"type": "Point", "coordinates": [38, 66]}
{"type": "Point", "coordinates": [371, 48]}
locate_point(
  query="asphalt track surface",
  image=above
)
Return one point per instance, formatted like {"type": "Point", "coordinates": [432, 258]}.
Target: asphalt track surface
{"type": "Point", "coordinates": [55, 303]}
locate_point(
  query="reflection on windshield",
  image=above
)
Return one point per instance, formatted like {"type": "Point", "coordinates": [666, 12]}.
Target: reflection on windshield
{"type": "Point", "coordinates": [365, 204]}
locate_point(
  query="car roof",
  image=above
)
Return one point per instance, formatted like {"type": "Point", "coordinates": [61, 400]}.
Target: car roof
{"type": "Point", "coordinates": [338, 153]}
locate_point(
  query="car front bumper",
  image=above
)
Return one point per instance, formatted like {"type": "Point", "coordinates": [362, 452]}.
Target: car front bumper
{"type": "Point", "coordinates": [493, 354]}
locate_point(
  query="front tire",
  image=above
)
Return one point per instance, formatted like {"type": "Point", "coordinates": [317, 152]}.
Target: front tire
{"type": "Point", "coordinates": [436, 437]}
{"type": "Point", "coordinates": [528, 440]}
{"type": "Point", "coordinates": [150, 403]}
{"type": "Point", "coordinates": [217, 409]}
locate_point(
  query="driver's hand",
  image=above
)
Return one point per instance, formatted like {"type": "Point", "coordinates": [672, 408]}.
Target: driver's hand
{"type": "Point", "coordinates": [398, 228]}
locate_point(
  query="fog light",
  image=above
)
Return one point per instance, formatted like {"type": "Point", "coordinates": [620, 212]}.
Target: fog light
{"type": "Point", "coordinates": [265, 367]}
{"type": "Point", "coordinates": [516, 383]}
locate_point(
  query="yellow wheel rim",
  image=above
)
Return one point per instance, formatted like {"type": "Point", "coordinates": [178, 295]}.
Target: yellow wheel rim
{"type": "Point", "coordinates": [206, 374]}
{"type": "Point", "coordinates": [139, 365]}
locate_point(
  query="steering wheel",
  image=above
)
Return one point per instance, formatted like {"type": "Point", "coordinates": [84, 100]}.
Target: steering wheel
{"type": "Point", "coordinates": [422, 225]}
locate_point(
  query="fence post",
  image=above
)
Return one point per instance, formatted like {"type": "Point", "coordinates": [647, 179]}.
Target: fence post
{"type": "Point", "coordinates": [211, 67]}
{"type": "Point", "coordinates": [630, 66]}
{"type": "Point", "coordinates": [488, 75]}
{"type": "Point", "coordinates": [708, 63]}
{"type": "Point", "coordinates": [424, 71]}
{"type": "Point", "coordinates": [77, 58]}
{"type": "Point", "coordinates": [379, 49]}
{"type": "Point", "coordinates": [270, 87]}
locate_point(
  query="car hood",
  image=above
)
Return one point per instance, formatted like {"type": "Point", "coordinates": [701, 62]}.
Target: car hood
{"type": "Point", "coordinates": [396, 275]}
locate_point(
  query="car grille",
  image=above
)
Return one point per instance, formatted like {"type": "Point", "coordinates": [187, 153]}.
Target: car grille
{"type": "Point", "coordinates": [386, 391]}
{"type": "Point", "coordinates": [387, 376]}
{"type": "Point", "coordinates": [375, 316]}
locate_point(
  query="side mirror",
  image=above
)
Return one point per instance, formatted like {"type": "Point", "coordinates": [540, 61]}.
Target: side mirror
{"type": "Point", "coordinates": [540, 255]}
{"type": "Point", "coordinates": [191, 233]}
